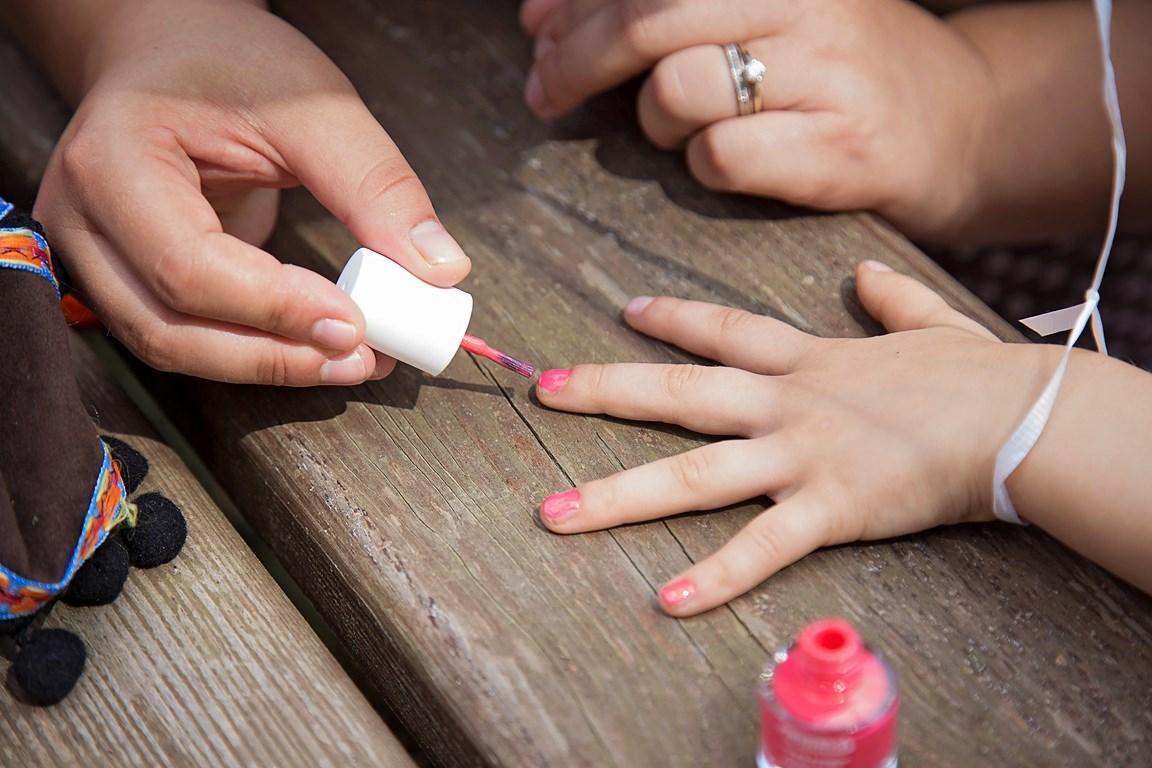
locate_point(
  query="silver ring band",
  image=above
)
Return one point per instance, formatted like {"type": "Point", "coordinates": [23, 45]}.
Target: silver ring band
{"type": "Point", "coordinates": [747, 75]}
{"type": "Point", "coordinates": [733, 52]}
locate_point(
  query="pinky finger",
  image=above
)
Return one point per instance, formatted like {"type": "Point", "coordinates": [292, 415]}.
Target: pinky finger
{"type": "Point", "coordinates": [778, 537]}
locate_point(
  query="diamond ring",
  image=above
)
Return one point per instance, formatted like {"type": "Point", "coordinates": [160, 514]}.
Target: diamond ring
{"type": "Point", "coordinates": [747, 75]}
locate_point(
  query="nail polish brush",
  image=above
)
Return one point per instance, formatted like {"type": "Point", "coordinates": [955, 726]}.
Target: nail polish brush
{"type": "Point", "coordinates": [417, 323]}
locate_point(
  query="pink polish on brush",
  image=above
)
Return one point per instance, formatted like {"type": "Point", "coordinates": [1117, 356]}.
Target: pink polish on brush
{"type": "Point", "coordinates": [415, 322]}
{"type": "Point", "coordinates": [827, 701]}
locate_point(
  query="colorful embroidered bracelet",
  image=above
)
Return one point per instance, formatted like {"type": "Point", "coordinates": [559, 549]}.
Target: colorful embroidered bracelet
{"type": "Point", "coordinates": [26, 249]}
{"type": "Point", "coordinates": [108, 508]}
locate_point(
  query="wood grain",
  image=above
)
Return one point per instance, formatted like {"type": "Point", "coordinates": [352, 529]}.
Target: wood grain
{"type": "Point", "coordinates": [203, 662]}
{"type": "Point", "coordinates": [405, 508]}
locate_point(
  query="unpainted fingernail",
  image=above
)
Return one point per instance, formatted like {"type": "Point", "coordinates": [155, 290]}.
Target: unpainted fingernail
{"type": "Point", "coordinates": [560, 506]}
{"type": "Point", "coordinates": [677, 592]}
{"type": "Point", "coordinates": [534, 94]}
{"type": "Point", "coordinates": [554, 380]}
{"type": "Point", "coordinates": [334, 334]}
{"type": "Point", "coordinates": [346, 369]}
{"type": "Point", "coordinates": [544, 44]}
{"type": "Point", "coordinates": [382, 367]}
{"type": "Point", "coordinates": [877, 266]}
{"type": "Point", "coordinates": [435, 245]}
{"type": "Point", "coordinates": [637, 305]}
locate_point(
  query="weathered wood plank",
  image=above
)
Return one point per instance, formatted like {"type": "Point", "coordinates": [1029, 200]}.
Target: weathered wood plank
{"type": "Point", "coordinates": [405, 508]}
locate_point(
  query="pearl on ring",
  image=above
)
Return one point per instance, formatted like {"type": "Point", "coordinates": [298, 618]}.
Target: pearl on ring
{"type": "Point", "coordinates": [747, 74]}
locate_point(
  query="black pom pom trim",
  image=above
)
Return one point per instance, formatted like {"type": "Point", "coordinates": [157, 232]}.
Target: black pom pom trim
{"type": "Point", "coordinates": [47, 667]}
{"type": "Point", "coordinates": [133, 465]}
{"type": "Point", "coordinates": [159, 534]}
{"type": "Point", "coordinates": [100, 580]}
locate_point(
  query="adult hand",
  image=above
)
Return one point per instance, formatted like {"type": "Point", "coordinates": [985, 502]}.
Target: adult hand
{"type": "Point", "coordinates": [193, 115]}
{"type": "Point", "coordinates": [868, 104]}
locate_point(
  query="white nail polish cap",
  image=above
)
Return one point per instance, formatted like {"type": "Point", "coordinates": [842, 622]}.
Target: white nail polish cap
{"type": "Point", "coordinates": [405, 317]}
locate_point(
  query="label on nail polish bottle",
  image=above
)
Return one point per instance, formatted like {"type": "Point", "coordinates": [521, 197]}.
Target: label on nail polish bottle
{"type": "Point", "coordinates": [827, 701]}
{"type": "Point", "coordinates": [404, 317]}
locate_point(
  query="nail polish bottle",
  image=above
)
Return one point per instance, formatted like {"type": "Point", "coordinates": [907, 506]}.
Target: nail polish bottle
{"type": "Point", "coordinates": [404, 317]}
{"type": "Point", "coordinates": [827, 701]}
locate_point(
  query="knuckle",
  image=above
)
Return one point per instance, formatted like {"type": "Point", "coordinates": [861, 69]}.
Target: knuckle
{"type": "Point", "coordinates": [272, 366]}
{"type": "Point", "coordinates": [680, 380]}
{"type": "Point", "coordinates": [734, 321]}
{"type": "Point", "coordinates": [599, 496]}
{"type": "Point", "coordinates": [390, 177]}
{"type": "Point", "coordinates": [279, 305]}
{"type": "Point", "coordinates": [80, 155]}
{"type": "Point", "coordinates": [692, 471]}
{"type": "Point", "coordinates": [666, 88]}
{"type": "Point", "coordinates": [176, 279]}
{"type": "Point", "coordinates": [595, 380]}
{"type": "Point", "coordinates": [765, 540]}
{"type": "Point", "coordinates": [637, 22]}
{"type": "Point", "coordinates": [856, 140]}
{"type": "Point", "coordinates": [152, 341]}
{"type": "Point", "coordinates": [810, 192]}
{"type": "Point", "coordinates": [713, 164]}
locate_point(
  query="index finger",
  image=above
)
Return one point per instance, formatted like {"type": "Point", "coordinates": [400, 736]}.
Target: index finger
{"type": "Point", "coordinates": [167, 233]}
{"type": "Point", "coordinates": [731, 336]}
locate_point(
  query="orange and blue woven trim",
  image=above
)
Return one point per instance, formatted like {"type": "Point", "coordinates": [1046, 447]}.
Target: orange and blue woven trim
{"type": "Point", "coordinates": [108, 508]}
{"type": "Point", "coordinates": [26, 249]}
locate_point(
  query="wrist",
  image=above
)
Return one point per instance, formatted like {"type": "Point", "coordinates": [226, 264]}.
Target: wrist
{"type": "Point", "coordinates": [1040, 168]}
{"type": "Point", "coordinates": [77, 42]}
{"type": "Point", "coordinates": [1016, 378]}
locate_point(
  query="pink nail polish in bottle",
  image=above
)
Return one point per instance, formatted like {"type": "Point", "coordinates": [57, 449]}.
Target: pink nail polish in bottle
{"type": "Point", "coordinates": [827, 701]}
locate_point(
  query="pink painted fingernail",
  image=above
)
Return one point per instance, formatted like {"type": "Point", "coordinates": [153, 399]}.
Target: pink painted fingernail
{"type": "Point", "coordinates": [334, 334]}
{"type": "Point", "coordinates": [877, 266]}
{"type": "Point", "coordinates": [554, 380]}
{"type": "Point", "coordinates": [560, 506]}
{"type": "Point", "coordinates": [677, 592]}
{"type": "Point", "coordinates": [637, 305]}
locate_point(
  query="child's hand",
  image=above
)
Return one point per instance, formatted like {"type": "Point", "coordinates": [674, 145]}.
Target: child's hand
{"type": "Point", "coordinates": [872, 104]}
{"type": "Point", "coordinates": [164, 184]}
{"type": "Point", "coordinates": [852, 438]}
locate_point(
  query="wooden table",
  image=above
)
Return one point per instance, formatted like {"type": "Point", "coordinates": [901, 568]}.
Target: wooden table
{"type": "Point", "coordinates": [405, 508]}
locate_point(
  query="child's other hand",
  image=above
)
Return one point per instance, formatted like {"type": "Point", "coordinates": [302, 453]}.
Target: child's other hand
{"type": "Point", "coordinates": [854, 439]}
{"type": "Point", "coordinates": [194, 114]}
{"type": "Point", "coordinates": [871, 104]}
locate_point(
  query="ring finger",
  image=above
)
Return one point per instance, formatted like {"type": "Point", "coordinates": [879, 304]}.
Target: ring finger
{"type": "Point", "coordinates": [693, 88]}
{"type": "Point", "coordinates": [704, 478]}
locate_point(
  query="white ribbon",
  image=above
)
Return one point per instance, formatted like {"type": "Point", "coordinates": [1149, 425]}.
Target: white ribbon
{"type": "Point", "coordinates": [1076, 318]}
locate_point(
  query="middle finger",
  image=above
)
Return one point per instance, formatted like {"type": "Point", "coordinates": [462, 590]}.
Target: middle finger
{"type": "Point", "coordinates": [711, 399]}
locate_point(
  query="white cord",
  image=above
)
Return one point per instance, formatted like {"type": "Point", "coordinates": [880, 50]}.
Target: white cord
{"type": "Point", "coordinates": [1075, 319]}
